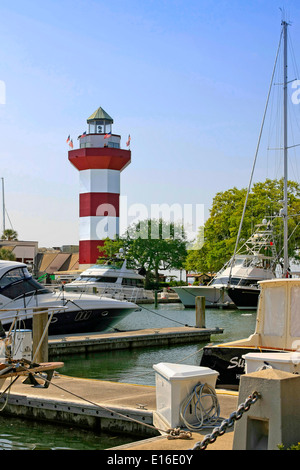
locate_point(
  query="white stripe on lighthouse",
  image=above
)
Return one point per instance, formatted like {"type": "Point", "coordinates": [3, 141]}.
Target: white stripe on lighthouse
{"type": "Point", "coordinates": [95, 181]}
{"type": "Point", "coordinates": [98, 228]}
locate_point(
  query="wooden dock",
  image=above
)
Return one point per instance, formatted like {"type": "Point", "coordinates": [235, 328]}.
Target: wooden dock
{"type": "Point", "coordinates": [93, 342]}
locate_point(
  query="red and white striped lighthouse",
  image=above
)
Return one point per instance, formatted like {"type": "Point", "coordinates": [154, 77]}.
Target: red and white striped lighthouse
{"type": "Point", "coordinates": [100, 161]}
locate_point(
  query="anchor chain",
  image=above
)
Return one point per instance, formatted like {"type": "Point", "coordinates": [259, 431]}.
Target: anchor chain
{"type": "Point", "coordinates": [227, 423]}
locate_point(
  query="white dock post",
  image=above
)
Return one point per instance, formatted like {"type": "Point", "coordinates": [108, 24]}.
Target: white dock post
{"type": "Point", "coordinates": [275, 418]}
{"type": "Point", "coordinates": [200, 312]}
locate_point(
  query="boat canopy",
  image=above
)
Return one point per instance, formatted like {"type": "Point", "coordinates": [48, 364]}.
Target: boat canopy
{"type": "Point", "coordinates": [278, 316]}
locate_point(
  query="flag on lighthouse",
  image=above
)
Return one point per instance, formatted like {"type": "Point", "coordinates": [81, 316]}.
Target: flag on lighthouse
{"type": "Point", "coordinates": [83, 135]}
{"type": "Point", "coordinates": [128, 141]}
{"type": "Point", "coordinates": [107, 136]}
{"type": "Point", "coordinates": [71, 144]}
{"type": "Point", "coordinates": [68, 139]}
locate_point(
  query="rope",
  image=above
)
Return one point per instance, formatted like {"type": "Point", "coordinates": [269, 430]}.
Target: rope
{"type": "Point", "coordinates": [207, 416]}
{"type": "Point", "coordinates": [7, 389]}
{"type": "Point", "coordinates": [163, 316]}
{"type": "Point", "coordinates": [38, 375]}
{"type": "Point", "coordinates": [204, 401]}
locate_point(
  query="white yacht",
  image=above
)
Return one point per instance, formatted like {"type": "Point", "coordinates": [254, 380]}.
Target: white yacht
{"type": "Point", "coordinates": [255, 261]}
{"type": "Point", "coordinates": [82, 313]}
{"type": "Point", "coordinates": [111, 280]}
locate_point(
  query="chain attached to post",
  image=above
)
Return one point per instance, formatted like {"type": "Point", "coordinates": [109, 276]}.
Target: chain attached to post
{"type": "Point", "coordinates": [227, 423]}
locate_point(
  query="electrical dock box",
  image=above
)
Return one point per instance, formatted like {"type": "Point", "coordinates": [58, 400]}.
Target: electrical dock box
{"type": "Point", "coordinates": [21, 346]}
{"type": "Point", "coordinates": [174, 383]}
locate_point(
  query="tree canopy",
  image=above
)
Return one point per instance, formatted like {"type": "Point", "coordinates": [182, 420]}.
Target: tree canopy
{"type": "Point", "coordinates": [221, 228]}
{"type": "Point", "coordinates": [7, 254]}
{"type": "Point", "coordinates": [151, 244]}
{"type": "Point", "coordinates": [9, 234]}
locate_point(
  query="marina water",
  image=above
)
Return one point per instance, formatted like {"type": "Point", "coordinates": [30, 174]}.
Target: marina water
{"type": "Point", "coordinates": [128, 366]}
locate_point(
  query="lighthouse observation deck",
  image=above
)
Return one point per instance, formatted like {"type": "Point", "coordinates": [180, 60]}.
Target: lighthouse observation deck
{"type": "Point", "coordinates": [100, 140]}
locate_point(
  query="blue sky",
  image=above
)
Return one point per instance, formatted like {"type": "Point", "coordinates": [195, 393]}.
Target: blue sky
{"type": "Point", "coordinates": [186, 79]}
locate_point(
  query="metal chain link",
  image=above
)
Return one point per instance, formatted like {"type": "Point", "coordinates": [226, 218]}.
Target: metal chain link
{"type": "Point", "coordinates": [227, 423]}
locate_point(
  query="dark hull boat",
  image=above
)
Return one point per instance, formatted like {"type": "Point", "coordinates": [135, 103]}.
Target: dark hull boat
{"type": "Point", "coordinates": [71, 321]}
{"type": "Point", "coordinates": [229, 362]}
{"type": "Point", "coordinates": [244, 298]}
{"type": "Point", "coordinates": [254, 262]}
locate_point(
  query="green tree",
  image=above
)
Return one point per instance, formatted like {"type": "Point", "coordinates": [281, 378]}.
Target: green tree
{"type": "Point", "coordinates": [221, 228]}
{"type": "Point", "coordinates": [153, 245]}
{"type": "Point", "coordinates": [9, 234]}
{"type": "Point", "coordinates": [111, 250]}
{"type": "Point", "coordinates": [7, 254]}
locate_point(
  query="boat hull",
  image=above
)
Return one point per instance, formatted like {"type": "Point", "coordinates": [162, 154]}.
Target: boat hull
{"type": "Point", "coordinates": [80, 321]}
{"type": "Point", "coordinates": [215, 297]}
{"type": "Point", "coordinates": [228, 361]}
{"type": "Point", "coordinates": [243, 298]}
{"type": "Point", "coordinates": [72, 313]}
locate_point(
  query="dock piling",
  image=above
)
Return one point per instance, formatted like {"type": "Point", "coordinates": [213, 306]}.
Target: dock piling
{"type": "Point", "coordinates": [200, 312]}
{"type": "Point", "coordinates": [40, 336]}
{"type": "Point", "coordinates": [155, 299]}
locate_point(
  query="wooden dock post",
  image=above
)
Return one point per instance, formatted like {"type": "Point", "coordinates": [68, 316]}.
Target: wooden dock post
{"type": "Point", "coordinates": [155, 299]}
{"type": "Point", "coordinates": [200, 312]}
{"type": "Point", "coordinates": [40, 336]}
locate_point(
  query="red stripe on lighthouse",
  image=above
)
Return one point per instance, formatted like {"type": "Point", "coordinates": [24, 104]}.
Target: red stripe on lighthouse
{"type": "Point", "coordinates": [89, 251]}
{"type": "Point", "coordinates": [105, 204]}
{"type": "Point", "coordinates": [93, 158]}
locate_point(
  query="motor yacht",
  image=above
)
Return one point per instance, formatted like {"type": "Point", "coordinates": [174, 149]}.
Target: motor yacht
{"type": "Point", "coordinates": [84, 312]}
{"type": "Point", "coordinates": [254, 262]}
{"type": "Point", "coordinates": [112, 279]}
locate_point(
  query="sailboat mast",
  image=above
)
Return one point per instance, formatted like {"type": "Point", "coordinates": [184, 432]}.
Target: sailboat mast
{"type": "Point", "coordinates": [3, 205]}
{"type": "Point", "coordinates": [285, 151]}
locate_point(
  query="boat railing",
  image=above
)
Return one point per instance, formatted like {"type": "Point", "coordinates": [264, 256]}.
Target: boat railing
{"type": "Point", "coordinates": [22, 313]}
{"type": "Point", "coordinates": [15, 316]}
{"type": "Point", "coordinates": [130, 293]}
{"type": "Point", "coordinates": [26, 297]}
{"type": "Point", "coordinates": [107, 290]}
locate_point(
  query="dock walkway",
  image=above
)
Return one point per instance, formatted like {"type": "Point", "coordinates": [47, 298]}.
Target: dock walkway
{"type": "Point", "coordinates": [108, 406]}
{"type": "Point", "coordinates": [91, 342]}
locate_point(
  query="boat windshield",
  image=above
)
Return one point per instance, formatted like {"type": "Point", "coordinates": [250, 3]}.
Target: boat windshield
{"type": "Point", "coordinates": [19, 282]}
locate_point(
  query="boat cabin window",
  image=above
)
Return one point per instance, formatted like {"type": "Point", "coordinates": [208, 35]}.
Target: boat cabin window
{"type": "Point", "coordinates": [19, 282]}
{"type": "Point", "coordinates": [274, 311]}
{"type": "Point", "coordinates": [14, 275]}
{"type": "Point", "coordinates": [132, 282]}
{"type": "Point", "coordinates": [239, 262]}
{"type": "Point", "coordinates": [96, 279]}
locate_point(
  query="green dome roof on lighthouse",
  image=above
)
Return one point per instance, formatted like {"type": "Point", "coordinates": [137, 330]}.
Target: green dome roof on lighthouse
{"type": "Point", "coordinates": [100, 114]}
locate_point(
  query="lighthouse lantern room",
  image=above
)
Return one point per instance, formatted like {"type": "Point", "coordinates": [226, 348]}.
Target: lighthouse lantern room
{"type": "Point", "coordinates": [99, 160]}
